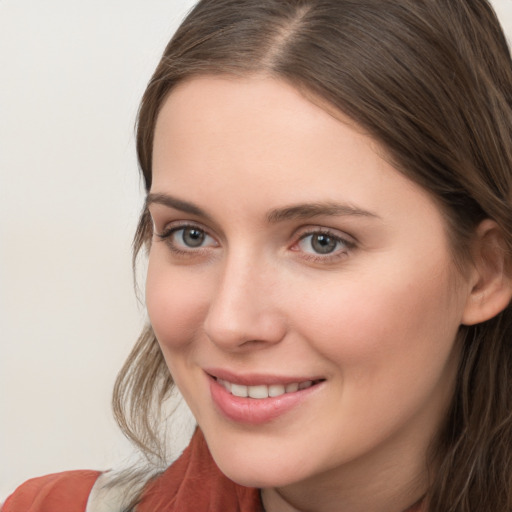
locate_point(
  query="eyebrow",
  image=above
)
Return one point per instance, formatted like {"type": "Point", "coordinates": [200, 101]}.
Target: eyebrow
{"type": "Point", "coordinates": [177, 204]}
{"type": "Point", "coordinates": [274, 216]}
{"type": "Point", "coordinates": [307, 210]}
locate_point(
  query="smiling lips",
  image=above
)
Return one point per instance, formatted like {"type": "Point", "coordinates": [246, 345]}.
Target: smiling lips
{"type": "Point", "coordinates": [245, 402]}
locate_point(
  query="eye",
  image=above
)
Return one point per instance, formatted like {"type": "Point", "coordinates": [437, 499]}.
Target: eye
{"type": "Point", "coordinates": [319, 243]}
{"type": "Point", "coordinates": [323, 245]}
{"type": "Point", "coordinates": [191, 237]}
{"type": "Point", "coordinates": [187, 238]}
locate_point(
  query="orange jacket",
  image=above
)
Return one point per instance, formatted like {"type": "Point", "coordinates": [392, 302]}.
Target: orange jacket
{"type": "Point", "coordinates": [193, 483]}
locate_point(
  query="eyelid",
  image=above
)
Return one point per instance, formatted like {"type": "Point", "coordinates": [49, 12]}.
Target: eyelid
{"type": "Point", "coordinates": [176, 225]}
{"type": "Point", "coordinates": [163, 216]}
{"type": "Point", "coordinates": [335, 233]}
{"type": "Point", "coordinates": [348, 241]}
{"type": "Point", "coordinates": [182, 250]}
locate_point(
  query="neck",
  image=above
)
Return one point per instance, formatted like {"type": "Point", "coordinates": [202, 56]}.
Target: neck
{"type": "Point", "coordinates": [274, 500]}
{"type": "Point", "coordinates": [277, 500]}
{"type": "Point", "coordinates": [381, 484]}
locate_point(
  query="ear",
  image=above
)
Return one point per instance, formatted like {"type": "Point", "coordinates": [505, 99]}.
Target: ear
{"type": "Point", "coordinates": [490, 279]}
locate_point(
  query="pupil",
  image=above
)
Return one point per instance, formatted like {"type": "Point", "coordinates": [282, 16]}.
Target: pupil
{"type": "Point", "coordinates": [323, 244]}
{"type": "Point", "coordinates": [193, 237]}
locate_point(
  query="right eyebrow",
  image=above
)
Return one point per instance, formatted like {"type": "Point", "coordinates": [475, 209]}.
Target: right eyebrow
{"type": "Point", "coordinates": [177, 204]}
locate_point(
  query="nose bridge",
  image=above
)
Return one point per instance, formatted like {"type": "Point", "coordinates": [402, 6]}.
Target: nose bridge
{"type": "Point", "coordinates": [242, 308]}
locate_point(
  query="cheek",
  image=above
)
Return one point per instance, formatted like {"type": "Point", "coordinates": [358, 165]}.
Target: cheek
{"type": "Point", "coordinates": [395, 322]}
{"type": "Point", "coordinates": [389, 347]}
{"type": "Point", "coordinates": [175, 303]}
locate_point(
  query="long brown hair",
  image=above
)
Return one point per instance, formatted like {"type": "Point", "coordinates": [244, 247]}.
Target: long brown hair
{"type": "Point", "coordinates": [431, 80]}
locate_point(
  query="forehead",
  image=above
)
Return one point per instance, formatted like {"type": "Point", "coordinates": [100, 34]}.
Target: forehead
{"type": "Point", "coordinates": [260, 104]}
{"type": "Point", "coordinates": [260, 138]}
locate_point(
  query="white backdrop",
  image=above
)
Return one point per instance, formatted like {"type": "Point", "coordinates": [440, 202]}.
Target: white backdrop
{"type": "Point", "coordinates": [71, 75]}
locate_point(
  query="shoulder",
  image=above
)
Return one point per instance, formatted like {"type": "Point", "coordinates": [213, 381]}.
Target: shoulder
{"type": "Point", "coordinates": [59, 492]}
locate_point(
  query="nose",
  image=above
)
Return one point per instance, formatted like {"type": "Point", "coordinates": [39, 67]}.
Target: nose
{"type": "Point", "coordinates": [244, 312]}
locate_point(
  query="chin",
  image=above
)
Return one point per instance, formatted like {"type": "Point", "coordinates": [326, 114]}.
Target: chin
{"type": "Point", "coordinates": [259, 468]}
{"type": "Point", "coordinates": [261, 477]}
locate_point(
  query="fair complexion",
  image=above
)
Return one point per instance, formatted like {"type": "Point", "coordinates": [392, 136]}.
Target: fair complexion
{"type": "Point", "coordinates": [287, 249]}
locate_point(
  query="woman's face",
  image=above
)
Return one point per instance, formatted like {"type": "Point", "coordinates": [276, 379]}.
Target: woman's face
{"type": "Point", "coordinates": [291, 259]}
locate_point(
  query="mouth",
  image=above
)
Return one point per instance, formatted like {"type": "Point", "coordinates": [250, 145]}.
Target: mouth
{"type": "Point", "coordinates": [258, 399]}
{"type": "Point", "coordinates": [262, 391]}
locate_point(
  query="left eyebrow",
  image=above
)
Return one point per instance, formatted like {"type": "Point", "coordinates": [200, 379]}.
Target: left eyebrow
{"type": "Point", "coordinates": [307, 210]}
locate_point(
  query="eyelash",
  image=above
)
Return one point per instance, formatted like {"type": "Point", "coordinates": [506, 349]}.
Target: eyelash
{"type": "Point", "coordinates": [347, 244]}
{"type": "Point", "coordinates": [335, 255]}
{"type": "Point", "coordinates": [167, 237]}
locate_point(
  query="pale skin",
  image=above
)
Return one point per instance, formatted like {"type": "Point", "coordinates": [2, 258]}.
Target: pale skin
{"type": "Point", "coordinates": [290, 246]}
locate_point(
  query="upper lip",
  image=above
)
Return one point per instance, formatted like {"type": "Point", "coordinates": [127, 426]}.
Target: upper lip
{"type": "Point", "coordinates": [257, 379]}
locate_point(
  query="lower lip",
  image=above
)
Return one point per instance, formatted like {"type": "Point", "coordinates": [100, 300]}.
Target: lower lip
{"type": "Point", "coordinates": [255, 411]}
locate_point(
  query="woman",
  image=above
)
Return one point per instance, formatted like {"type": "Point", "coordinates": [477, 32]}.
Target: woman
{"type": "Point", "coordinates": [328, 227]}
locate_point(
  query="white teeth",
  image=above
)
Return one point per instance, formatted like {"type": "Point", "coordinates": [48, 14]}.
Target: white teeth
{"type": "Point", "coordinates": [258, 391]}
{"type": "Point", "coordinates": [225, 383]}
{"type": "Point", "coordinates": [239, 390]}
{"type": "Point", "coordinates": [291, 388]}
{"type": "Point", "coordinates": [276, 390]}
{"type": "Point", "coordinates": [263, 391]}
